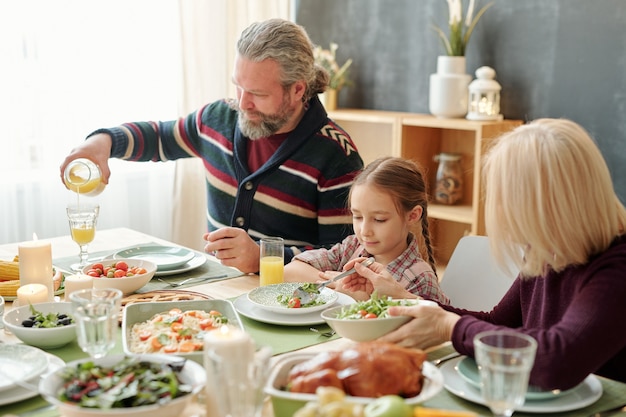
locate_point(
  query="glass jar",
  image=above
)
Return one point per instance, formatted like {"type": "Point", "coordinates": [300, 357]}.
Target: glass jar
{"type": "Point", "coordinates": [449, 180]}
{"type": "Point", "coordinates": [83, 177]}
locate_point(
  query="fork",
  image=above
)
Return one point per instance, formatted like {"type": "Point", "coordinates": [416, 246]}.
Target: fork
{"type": "Point", "coordinates": [188, 280]}
{"type": "Point", "coordinates": [308, 294]}
{"type": "Point", "coordinates": [329, 333]}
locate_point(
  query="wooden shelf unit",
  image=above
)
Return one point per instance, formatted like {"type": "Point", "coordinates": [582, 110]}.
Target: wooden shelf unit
{"type": "Point", "coordinates": [420, 137]}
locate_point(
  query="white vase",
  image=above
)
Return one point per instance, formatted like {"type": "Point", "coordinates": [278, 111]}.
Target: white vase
{"type": "Point", "coordinates": [448, 96]}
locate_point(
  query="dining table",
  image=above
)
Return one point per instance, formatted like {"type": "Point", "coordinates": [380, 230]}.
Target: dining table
{"type": "Point", "coordinates": [217, 281]}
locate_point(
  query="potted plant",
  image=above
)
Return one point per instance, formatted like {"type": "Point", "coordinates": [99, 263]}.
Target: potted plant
{"type": "Point", "coordinates": [448, 97]}
{"type": "Point", "coordinates": [327, 59]}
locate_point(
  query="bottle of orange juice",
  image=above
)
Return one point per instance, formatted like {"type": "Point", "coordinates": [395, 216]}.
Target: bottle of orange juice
{"type": "Point", "coordinates": [83, 177]}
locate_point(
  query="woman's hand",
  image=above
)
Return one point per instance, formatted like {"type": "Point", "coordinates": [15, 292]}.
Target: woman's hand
{"type": "Point", "coordinates": [430, 326]}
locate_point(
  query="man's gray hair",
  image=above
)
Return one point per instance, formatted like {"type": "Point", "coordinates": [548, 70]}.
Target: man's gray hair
{"type": "Point", "coordinates": [290, 46]}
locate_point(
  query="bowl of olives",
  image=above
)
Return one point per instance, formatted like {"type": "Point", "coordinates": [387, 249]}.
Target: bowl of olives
{"type": "Point", "coordinates": [44, 325]}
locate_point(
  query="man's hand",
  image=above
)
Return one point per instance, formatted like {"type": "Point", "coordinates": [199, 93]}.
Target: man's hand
{"type": "Point", "coordinates": [97, 149]}
{"type": "Point", "coordinates": [233, 247]}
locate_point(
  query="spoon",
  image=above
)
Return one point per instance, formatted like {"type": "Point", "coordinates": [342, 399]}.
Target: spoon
{"type": "Point", "coordinates": [311, 291]}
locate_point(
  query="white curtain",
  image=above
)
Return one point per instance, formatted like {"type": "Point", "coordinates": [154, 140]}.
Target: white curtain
{"type": "Point", "coordinates": [209, 33]}
{"type": "Point", "coordinates": [67, 68]}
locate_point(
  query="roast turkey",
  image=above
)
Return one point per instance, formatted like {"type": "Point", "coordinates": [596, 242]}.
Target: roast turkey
{"type": "Point", "coordinates": [370, 369]}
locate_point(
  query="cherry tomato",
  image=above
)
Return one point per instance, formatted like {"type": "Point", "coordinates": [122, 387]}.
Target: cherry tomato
{"type": "Point", "coordinates": [121, 265]}
{"type": "Point", "coordinates": [371, 316]}
{"type": "Point", "coordinates": [119, 273]}
{"type": "Point", "coordinates": [98, 266]}
{"type": "Point", "coordinates": [294, 303]}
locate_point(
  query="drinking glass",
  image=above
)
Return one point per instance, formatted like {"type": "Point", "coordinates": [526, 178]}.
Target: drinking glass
{"type": "Point", "coordinates": [82, 219]}
{"type": "Point", "coordinates": [504, 359]}
{"type": "Point", "coordinates": [235, 383]}
{"type": "Point", "coordinates": [271, 268]}
{"type": "Point", "coordinates": [96, 312]}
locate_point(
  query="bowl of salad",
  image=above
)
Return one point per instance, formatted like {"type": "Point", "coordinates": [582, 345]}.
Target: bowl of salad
{"type": "Point", "coordinates": [44, 325]}
{"type": "Point", "coordinates": [368, 320]}
{"type": "Point", "coordinates": [122, 385]}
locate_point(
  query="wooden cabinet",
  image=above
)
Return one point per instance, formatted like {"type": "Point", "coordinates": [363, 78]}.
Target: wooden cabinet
{"type": "Point", "coordinates": [420, 137]}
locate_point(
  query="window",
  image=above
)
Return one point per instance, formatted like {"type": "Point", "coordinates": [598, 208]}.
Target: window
{"type": "Point", "coordinates": [68, 68]}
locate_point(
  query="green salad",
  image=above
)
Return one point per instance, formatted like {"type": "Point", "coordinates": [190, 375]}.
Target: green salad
{"type": "Point", "coordinates": [375, 307]}
{"type": "Point", "coordinates": [130, 383]}
{"type": "Point", "coordinates": [294, 302]}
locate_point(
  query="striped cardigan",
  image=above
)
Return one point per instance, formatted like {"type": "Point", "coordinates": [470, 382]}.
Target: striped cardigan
{"type": "Point", "coordinates": [300, 193]}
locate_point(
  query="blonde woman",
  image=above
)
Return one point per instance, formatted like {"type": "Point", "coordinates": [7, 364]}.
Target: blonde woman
{"type": "Point", "coordinates": [551, 207]}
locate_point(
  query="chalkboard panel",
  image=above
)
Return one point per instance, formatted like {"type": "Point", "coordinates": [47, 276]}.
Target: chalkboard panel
{"type": "Point", "coordinates": [553, 58]}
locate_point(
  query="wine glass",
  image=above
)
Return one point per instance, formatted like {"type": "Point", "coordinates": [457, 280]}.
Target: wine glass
{"type": "Point", "coordinates": [82, 218]}
{"type": "Point", "coordinates": [96, 311]}
{"type": "Point", "coordinates": [504, 359]}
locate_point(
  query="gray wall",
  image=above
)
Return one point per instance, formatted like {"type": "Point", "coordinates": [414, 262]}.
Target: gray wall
{"type": "Point", "coordinates": [553, 58]}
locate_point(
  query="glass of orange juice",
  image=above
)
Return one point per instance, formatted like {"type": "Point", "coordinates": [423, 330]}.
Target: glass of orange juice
{"type": "Point", "coordinates": [82, 218]}
{"type": "Point", "coordinates": [272, 265]}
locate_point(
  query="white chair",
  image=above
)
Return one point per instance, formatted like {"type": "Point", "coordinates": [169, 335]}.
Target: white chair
{"type": "Point", "coordinates": [472, 280]}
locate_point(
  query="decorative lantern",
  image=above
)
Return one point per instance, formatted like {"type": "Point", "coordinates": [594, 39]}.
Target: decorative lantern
{"type": "Point", "coordinates": [484, 96]}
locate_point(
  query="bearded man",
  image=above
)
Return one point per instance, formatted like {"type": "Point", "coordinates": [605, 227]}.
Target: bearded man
{"type": "Point", "coordinates": [276, 165]}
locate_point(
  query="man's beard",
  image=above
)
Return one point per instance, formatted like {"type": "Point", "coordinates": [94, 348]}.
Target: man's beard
{"type": "Point", "coordinates": [267, 125]}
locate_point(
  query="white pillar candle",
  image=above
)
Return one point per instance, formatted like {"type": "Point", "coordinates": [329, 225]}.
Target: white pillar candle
{"type": "Point", "coordinates": [35, 261]}
{"type": "Point", "coordinates": [77, 282]}
{"type": "Point", "coordinates": [228, 355]}
{"type": "Point", "coordinates": [32, 294]}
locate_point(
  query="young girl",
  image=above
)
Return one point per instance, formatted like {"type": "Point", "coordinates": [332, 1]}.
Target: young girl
{"type": "Point", "coordinates": [387, 199]}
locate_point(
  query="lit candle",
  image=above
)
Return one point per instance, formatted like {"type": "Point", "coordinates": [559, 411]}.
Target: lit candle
{"type": "Point", "coordinates": [32, 294]}
{"type": "Point", "coordinates": [77, 282]}
{"type": "Point", "coordinates": [228, 355]}
{"type": "Point", "coordinates": [35, 260]}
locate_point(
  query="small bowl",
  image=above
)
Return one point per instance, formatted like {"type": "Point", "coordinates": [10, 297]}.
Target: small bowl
{"type": "Point", "coordinates": [127, 285]}
{"type": "Point", "coordinates": [45, 338]}
{"type": "Point", "coordinates": [365, 330]}
{"type": "Point", "coordinates": [192, 374]}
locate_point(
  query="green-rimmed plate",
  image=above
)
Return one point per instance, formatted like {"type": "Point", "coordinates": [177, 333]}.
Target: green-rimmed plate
{"type": "Point", "coordinates": [165, 257]}
{"type": "Point", "coordinates": [468, 370]}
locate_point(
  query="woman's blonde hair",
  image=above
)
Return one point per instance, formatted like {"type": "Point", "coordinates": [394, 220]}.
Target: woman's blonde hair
{"type": "Point", "coordinates": [549, 200]}
{"type": "Point", "coordinates": [404, 181]}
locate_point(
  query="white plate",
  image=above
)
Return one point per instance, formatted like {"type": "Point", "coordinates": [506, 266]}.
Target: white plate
{"type": "Point", "coordinates": [588, 392]}
{"type": "Point", "coordinates": [165, 257]}
{"type": "Point", "coordinates": [16, 394]}
{"type": "Point", "coordinates": [247, 309]}
{"type": "Point", "coordinates": [469, 372]}
{"type": "Point", "coordinates": [20, 363]}
{"type": "Point", "coordinates": [197, 261]}
{"type": "Point", "coordinates": [265, 297]}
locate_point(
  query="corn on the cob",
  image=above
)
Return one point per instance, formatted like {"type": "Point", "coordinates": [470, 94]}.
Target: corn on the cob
{"type": "Point", "coordinates": [9, 288]}
{"type": "Point", "coordinates": [9, 270]}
